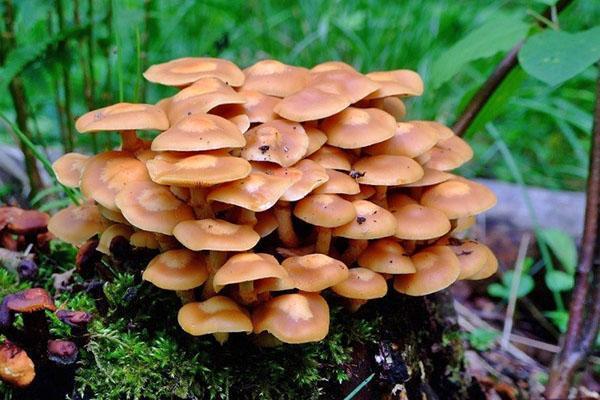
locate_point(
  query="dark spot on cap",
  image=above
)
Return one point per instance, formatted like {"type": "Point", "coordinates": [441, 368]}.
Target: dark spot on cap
{"type": "Point", "coordinates": [357, 174]}
{"type": "Point", "coordinates": [361, 220]}
{"type": "Point", "coordinates": [263, 149]}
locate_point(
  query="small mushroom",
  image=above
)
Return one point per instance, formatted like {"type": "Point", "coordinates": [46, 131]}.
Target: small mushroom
{"type": "Point", "coordinates": [386, 256]}
{"type": "Point", "coordinates": [68, 169]}
{"type": "Point", "coordinates": [278, 141]}
{"type": "Point", "coordinates": [361, 285]}
{"type": "Point", "coordinates": [273, 78]}
{"type": "Point", "coordinates": [458, 198]}
{"type": "Point", "coordinates": [315, 272]}
{"type": "Point", "coordinates": [215, 234]}
{"type": "Point", "coordinates": [401, 82]}
{"type": "Point", "coordinates": [417, 222]}
{"type": "Point", "coordinates": [187, 70]}
{"type": "Point", "coordinates": [62, 352]}
{"type": "Point", "coordinates": [355, 128]}
{"type": "Point", "coordinates": [411, 139]}
{"type": "Point", "coordinates": [293, 318]}
{"type": "Point", "coordinates": [16, 368]}
{"type": "Point", "coordinates": [218, 316]}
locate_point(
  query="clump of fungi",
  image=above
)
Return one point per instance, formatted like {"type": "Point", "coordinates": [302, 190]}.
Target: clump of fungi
{"type": "Point", "coordinates": [272, 189]}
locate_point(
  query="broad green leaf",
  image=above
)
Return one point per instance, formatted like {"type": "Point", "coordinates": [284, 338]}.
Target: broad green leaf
{"type": "Point", "coordinates": [497, 290]}
{"type": "Point", "coordinates": [482, 339]}
{"type": "Point", "coordinates": [494, 36]}
{"type": "Point", "coordinates": [556, 56]}
{"type": "Point", "coordinates": [559, 318]}
{"type": "Point", "coordinates": [526, 283]}
{"type": "Point", "coordinates": [563, 247]}
{"type": "Point", "coordinates": [559, 281]}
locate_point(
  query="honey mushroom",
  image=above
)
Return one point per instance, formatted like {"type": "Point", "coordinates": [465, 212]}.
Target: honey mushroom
{"type": "Point", "coordinates": [319, 166]}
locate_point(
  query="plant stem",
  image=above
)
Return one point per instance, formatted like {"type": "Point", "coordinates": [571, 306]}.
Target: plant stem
{"type": "Point", "coordinates": [584, 310]}
{"type": "Point", "coordinates": [86, 67]}
{"type": "Point", "coordinates": [17, 93]}
{"type": "Point", "coordinates": [485, 92]}
{"type": "Point", "coordinates": [69, 141]}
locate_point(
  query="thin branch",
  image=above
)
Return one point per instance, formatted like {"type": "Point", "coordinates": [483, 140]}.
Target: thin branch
{"type": "Point", "coordinates": [584, 311]}
{"type": "Point", "coordinates": [490, 86]}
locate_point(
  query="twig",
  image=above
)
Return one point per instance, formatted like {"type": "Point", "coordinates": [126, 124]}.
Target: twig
{"type": "Point", "coordinates": [485, 92]}
{"type": "Point", "coordinates": [584, 311]}
{"type": "Point", "coordinates": [514, 290]}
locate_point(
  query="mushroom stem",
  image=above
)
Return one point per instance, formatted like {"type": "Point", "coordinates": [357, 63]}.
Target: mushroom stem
{"type": "Point", "coordinates": [410, 246]}
{"type": "Point", "coordinates": [247, 217]}
{"type": "Point", "coordinates": [221, 337]}
{"type": "Point", "coordinates": [381, 196]}
{"type": "Point", "coordinates": [214, 262]}
{"type": "Point", "coordinates": [355, 304]}
{"type": "Point", "coordinates": [247, 292]}
{"type": "Point", "coordinates": [355, 248]}
{"type": "Point", "coordinates": [129, 141]}
{"type": "Point", "coordinates": [265, 339]}
{"type": "Point", "coordinates": [198, 201]}
{"type": "Point", "coordinates": [416, 192]}
{"type": "Point", "coordinates": [323, 240]}
{"type": "Point", "coordinates": [286, 232]}
{"type": "Point", "coordinates": [186, 296]}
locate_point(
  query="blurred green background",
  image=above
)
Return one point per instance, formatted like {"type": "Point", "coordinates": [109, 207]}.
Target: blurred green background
{"type": "Point", "coordinates": [73, 55]}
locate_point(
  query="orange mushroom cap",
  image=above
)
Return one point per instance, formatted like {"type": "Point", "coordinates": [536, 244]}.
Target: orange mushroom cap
{"type": "Point", "coordinates": [187, 70]}
{"type": "Point", "coordinates": [177, 270]}
{"type": "Point", "coordinates": [123, 116]}
{"type": "Point", "coordinates": [362, 284]}
{"type": "Point", "coordinates": [68, 168]}
{"type": "Point", "coordinates": [219, 314]}
{"type": "Point", "coordinates": [215, 234]}
{"type": "Point", "coordinates": [315, 272]}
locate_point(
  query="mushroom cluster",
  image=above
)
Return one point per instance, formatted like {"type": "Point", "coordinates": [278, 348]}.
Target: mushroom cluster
{"type": "Point", "coordinates": [271, 189]}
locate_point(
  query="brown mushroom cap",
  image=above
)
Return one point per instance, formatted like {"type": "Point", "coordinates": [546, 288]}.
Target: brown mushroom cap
{"type": "Point", "coordinates": [325, 210]}
{"type": "Point", "coordinates": [257, 192]}
{"type": "Point", "coordinates": [458, 198]}
{"type": "Point", "coordinates": [401, 82]}
{"type": "Point", "coordinates": [111, 215]}
{"type": "Point", "coordinates": [316, 139]}
{"type": "Point", "coordinates": [247, 267]}
{"type": "Point", "coordinates": [313, 176]}
{"type": "Point", "coordinates": [449, 154]}
{"type": "Point", "coordinates": [259, 107]}
{"type": "Point", "coordinates": [16, 368]}
{"type": "Point", "coordinates": [76, 224]}
{"type": "Point", "coordinates": [215, 234]}
{"type": "Point", "coordinates": [331, 66]}
{"type": "Point", "coordinates": [362, 284]}
{"type": "Point", "coordinates": [279, 141]}
{"type": "Point", "coordinates": [266, 223]}
{"type": "Point", "coordinates": [110, 233]}
{"type": "Point", "coordinates": [489, 268]}
{"type": "Point", "coordinates": [30, 300]}
{"type": "Point", "coordinates": [410, 139]}
{"type": "Point", "coordinates": [386, 256]}
{"type": "Point", "coordinates": [106, 174]}
{"type": "Point", "coordinates": [463, 224]}
{"type": "Point", "coordinates": [315, 272]}
{"type": "Point", "coordinates": [338, 183]}
{"type": "Point", "coordinates": [28, 221]}
{"type": "Point", "coordinates": [123, 116]}
{"type": "Point", "coordinates": [371, 222]}
{"type": "Point", "coordinates": [293, 318]}
{"type": "Point", "coordinates": [201, 97]}
{"type": "Point", "coordinates": [310, 104]}
{"type": "Point", "coordinates": [68, 168]}
{"type": "Point", "coordinates": [386, 170]}
{"type": "Point", "coordinates": [349, 83]}
{"type": "Point", "coordinates": [177, 270]}
{"type": "Point", "coordinates": [152, 207]}
{"type": "Point", "coordinates": [437, 268]}
{"type": "Point", "coordinates": [358, 127]}
{"type": "Point", "coordinates": [274, 78]}
{"type": "Point", "coordinates": [187, 70]}
{"type": "Point", "coordinates": [391, 105]}
{"type": "Point", "coordinates": [144, 239]}
{"type": "Point", "coordinates": [398, 200]}
{"type": "Point", "coordinates": [199, 132]}
{"type": "Point", "coordinates": [219, 314]}
{"type": "Point", "coordinates": [430, 177]}
{"type": "Point", "coordinates": [199, 170]}
{"type": "Point", "coordinates": [332, 158]}
{"type": "Point", "coordinates": [416, 222]}
{"type": "Point", "coordinates": [472, 255]}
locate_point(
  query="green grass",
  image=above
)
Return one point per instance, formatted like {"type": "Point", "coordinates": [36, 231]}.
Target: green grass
{"type": "Point", "coordinates": [546, 128]}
